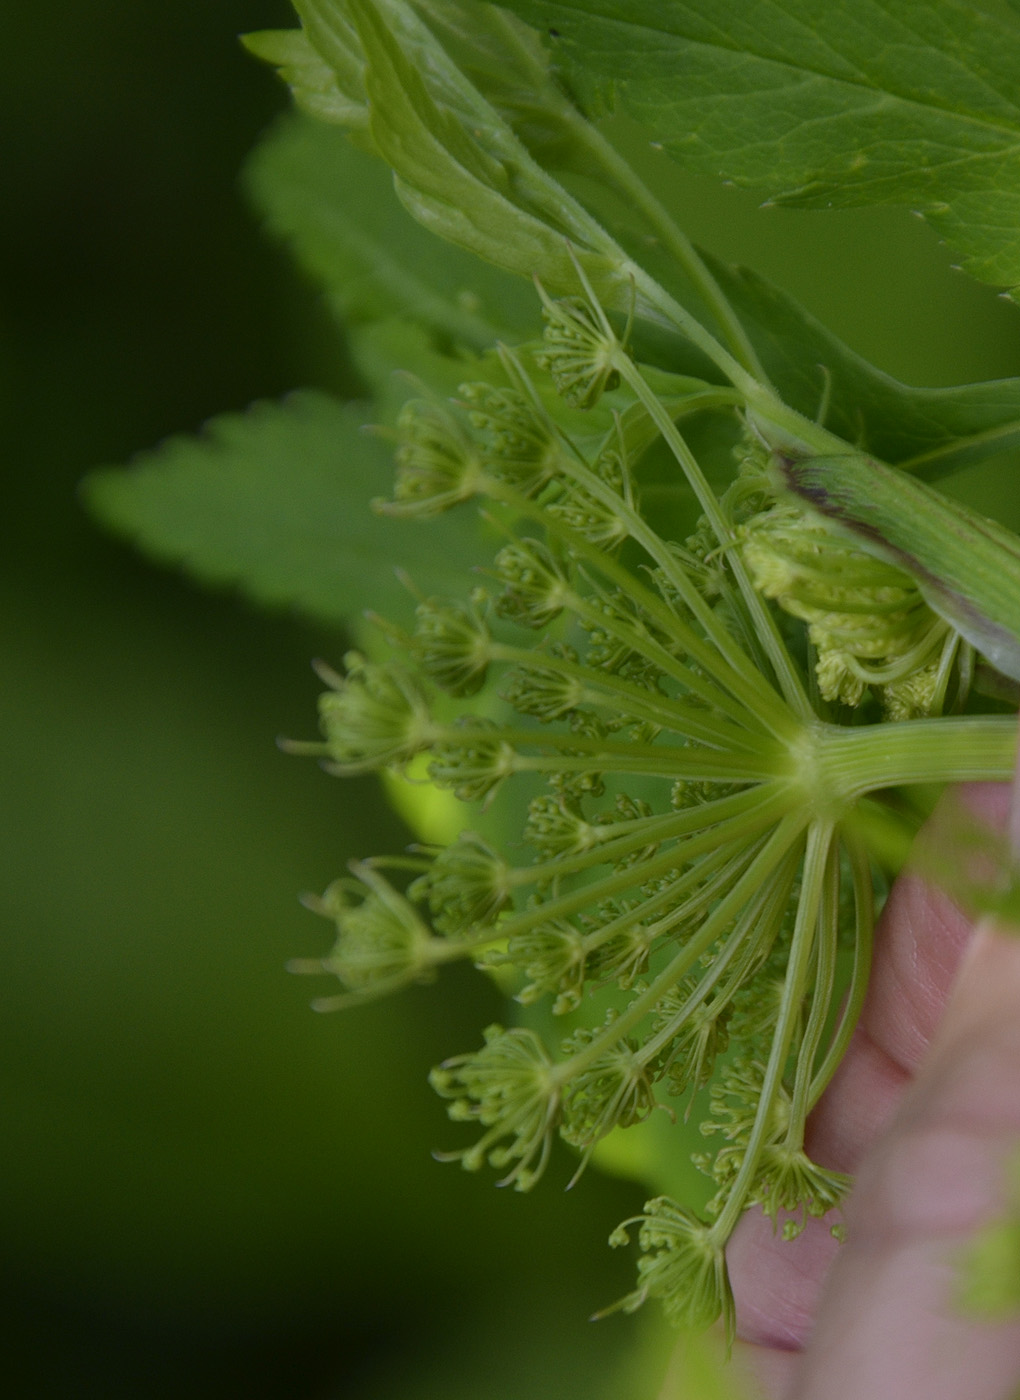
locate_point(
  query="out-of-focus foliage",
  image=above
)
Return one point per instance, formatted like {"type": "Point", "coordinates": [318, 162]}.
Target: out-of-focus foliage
{"type": "Point", "coordinates": [278, 501]}
{"type": "Point", "coordinates": [200, 1194]}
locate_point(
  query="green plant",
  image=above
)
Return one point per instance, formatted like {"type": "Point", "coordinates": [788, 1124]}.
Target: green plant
{"type": "Point", "coordinates": [719, 624]}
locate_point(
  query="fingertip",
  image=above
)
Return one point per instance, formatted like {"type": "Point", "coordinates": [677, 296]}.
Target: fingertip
{"type": "Point", "coordinates": [986, 991]}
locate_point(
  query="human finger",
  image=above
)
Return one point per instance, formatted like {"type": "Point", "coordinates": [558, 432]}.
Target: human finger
{"type": "Point", "coordinates": [890, 1324]}
{"type": "Point", "coordinates": [919, 942]}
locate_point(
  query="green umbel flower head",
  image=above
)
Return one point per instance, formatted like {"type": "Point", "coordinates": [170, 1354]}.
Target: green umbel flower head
{"type": "Point", "coordinates": [438, 464]}
{"type": "Point", "coordinates": [579, 350]}
{"type": "Point", "coordinates": [681, 1263]}
{"type": "Point", "coordinates": [451, 642]}
{"type": "Point", "coordinates": [372, 716]}
{"type": "Point", "coordinates": [509, 1087]}
{"type": "Point", "coordinates": [651, 726]}
{"type": "Point", "coordinates": [382, 943]}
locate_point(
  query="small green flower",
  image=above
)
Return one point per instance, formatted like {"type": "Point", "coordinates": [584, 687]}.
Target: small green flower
{"type": "Point", "coordinates": [556, 826]}
{"type": "Point", "coordinates": [381, 943]}
{"type": "Point", "coordinates": [453, 644]}
{"type": "Point", "coordinates": [789, 1182]}
{"type": "Point", "coordinates": [373, 715]}
{"type": "Point", "coordinates": [545, 693]}
{"type": "Point", "coordinates": [510, 1089]}
{"type": "Point", "coordinates": [552, 956]}
{"type": "Point", "coordinates": [615, 1090]}
{"type": "Point", "coordinates": [702, 1038]}
{"type": "Point", "coordinates": [596, 518]}
{"type": "Point", "coordinates": [620, 944]}
{"type": "Point", "coordinates": [536, 587]}
{"type": "Point", "coordinates": [579, 350]}
{"type": "Point", "coordinates": [473, 759]}
{"type": "Point", "coordinates": [736, 1109]}
{"type": "Point", "coordinates": [438, 462]}
{"type": "Point", "coordinates": [682, 1263]}
{"type": "Point", "coordinates": [517, 439]}
{"type": "Point", "coordinates": [466, 887]}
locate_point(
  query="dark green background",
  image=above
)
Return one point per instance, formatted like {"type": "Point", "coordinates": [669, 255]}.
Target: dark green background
{"type": "Point", "coordinates": [206, 1190]}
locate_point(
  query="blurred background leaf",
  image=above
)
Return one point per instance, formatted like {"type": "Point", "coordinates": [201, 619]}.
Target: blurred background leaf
{"type": "Point", "coordinates": [278, 503]}
{"type": "Point", "coordinates": [207, 1190]}
{"type": "Point", "coordinates": [371, 257]}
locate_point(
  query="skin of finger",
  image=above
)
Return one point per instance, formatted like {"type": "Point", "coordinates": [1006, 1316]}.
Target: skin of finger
{"type": "Point", "coordinates": [890, 1325]}
{"type": "Point", "coordinates": [922, 937]}
{"type": "Point", "coordinates": [920, 941]}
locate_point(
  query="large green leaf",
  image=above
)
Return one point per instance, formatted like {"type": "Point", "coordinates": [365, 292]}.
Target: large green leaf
{"type": "Point", "coordinates": [335, 207]}
{"type": "Point", "coordinates": [511, 67]}
{"type": "Point", "coordinates": [459, 166]}
{"type": "Point", "coordinates": [822, 103]}
{"type": "Point", "coordinates": [331, 91]}
{"type": "Point", "coordinates": [323, 64]}
{"type": "Point", "coordinates": [944, 429]}
{"type": "Point", "coordinates": [276, 502]}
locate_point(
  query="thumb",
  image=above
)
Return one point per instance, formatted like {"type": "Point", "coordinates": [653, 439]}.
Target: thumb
{"type": "Point", "coordinates": [891, 1326]}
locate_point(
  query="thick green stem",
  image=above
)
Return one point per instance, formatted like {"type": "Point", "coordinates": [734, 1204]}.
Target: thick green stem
{"type": "Point", "coordinates": [956, 749]}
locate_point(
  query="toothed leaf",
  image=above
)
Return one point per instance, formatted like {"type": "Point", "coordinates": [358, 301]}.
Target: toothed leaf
{"type": "Point", "coordinates": [822, 104]}
{"type": "Point", "coordinates": [275, 502]}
